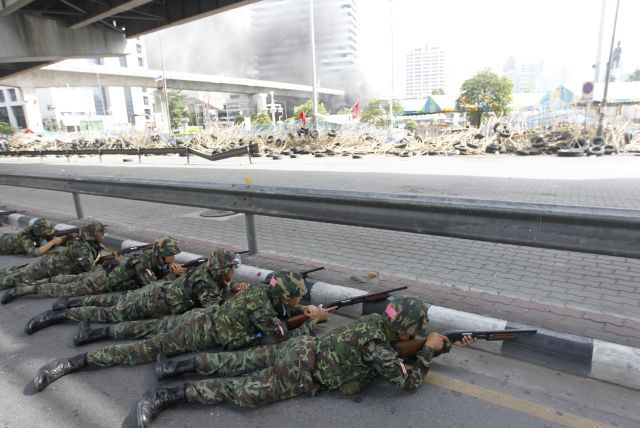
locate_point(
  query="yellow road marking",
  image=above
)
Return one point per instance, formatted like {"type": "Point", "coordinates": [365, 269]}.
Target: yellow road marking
{"type": "Point", "coordinates": [523, 406]}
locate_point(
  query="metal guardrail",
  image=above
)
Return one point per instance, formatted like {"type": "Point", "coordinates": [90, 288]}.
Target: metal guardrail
{"type": "Point", "coordinates": [185, 151]}
{"type": "Point", "coordinates": [606, 231]}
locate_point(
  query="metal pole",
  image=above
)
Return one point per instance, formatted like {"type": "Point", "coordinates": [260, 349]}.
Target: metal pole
{"type": "Point", "coordinates": [599, 54]}
{"type": "Point", "coordinates": [272, 107]}
{"type": "Point", "coordinates": [390, 136]}
{"type": "Point", "coordinates": [164, 86]}
{"type": "Point", "coordinates": [314, 90]}
{"type": "Point", "coordinates": [603, 106]}
{"type": "Point", "coordinates": [252, 236]}
{"type": "Point", "coordinates": [78, 205]}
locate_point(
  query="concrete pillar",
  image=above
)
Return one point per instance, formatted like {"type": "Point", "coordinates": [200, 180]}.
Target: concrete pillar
{"type": "Point", "coordinates": [32, 109]}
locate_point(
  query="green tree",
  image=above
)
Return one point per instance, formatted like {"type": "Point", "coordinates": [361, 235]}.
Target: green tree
{"type": "Point", "coordinates": [437, 91]}
{"type": "Point", "coordinates": [177, 108]}
{"type": "Point", "coordinates": [261, 118]}
{"type": "Point", "coordinates": [635, 76]}
{"type": "Point", "coordinates": [238, 120]}
{"type": "Point", "coordinates": [374, 110]}
{"type": "Point", "coordinates": [344, 110]}
{"type": "Point", "coordinates": [5, 128]}
{"type": "Point", "coordinates": [484, 93]}
{"type": "Point", "coordinates": [410, 125]}
{"type": "Point", "coordinates": [308, 109]}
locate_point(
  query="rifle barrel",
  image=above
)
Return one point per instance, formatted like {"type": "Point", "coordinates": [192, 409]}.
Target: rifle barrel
{"type": "Point", "coordinates": [362, 298]}
{"type": "Point", "coordinates": [304, 273]}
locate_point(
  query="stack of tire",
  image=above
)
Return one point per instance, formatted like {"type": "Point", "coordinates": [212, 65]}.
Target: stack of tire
{"type": "Point", "coordinates": [539, 145]}
{"type": "Point", "coordinates": [583, 147]}
{"type": "Point", "coordinates": [503, 131]}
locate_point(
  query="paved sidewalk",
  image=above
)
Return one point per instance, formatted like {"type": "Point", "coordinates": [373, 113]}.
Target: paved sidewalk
{"type": "Point", "coordinates": [589, 295]}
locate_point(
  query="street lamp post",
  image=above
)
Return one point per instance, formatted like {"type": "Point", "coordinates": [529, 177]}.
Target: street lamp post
{"type": "Point", "coordinates": [272, 109]}
{"type": "Point", "coordinates": [603, 106]}
{"type": "Point", "coordinates": [314, 90]}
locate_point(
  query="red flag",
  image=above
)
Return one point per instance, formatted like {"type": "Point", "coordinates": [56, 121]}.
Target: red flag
{"type": "Point", "coordinates": [303, 117]}
{"type": "Point", "coordinates": [355, 110]}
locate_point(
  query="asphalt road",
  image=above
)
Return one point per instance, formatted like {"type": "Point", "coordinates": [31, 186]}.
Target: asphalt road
{"type": "Point", "coordinates": [466, 388]}
{"type": "Point", "coordinates": [588, 295]}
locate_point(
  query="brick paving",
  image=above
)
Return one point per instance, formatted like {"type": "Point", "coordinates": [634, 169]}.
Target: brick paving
{"type": "Point", "coordinates": [593, 295]}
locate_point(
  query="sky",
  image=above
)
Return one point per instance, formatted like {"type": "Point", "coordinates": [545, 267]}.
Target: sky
{"type": "Point", "coordinates": [479, 34]}
{"type": "Point", "coordinates": [475, 35]}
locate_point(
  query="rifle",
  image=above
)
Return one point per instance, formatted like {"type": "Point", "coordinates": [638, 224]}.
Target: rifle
{"type": "Point", "coordinates": [304, 274]}
{"type": "Point", "coordinates": [65, 232]}
{"type": "Point", "coordinates": [200, 260]}
{"type": "Point", "coordinates": [195, 262]}
{"type": "Point", "coordinates": [124, 251]}
{"type": "Point", "coordinates": [409, 348]}
{"type": "Point", "coordinates": [298, 320]}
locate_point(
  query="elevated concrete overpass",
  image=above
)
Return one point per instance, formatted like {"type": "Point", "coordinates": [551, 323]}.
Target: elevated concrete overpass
{"type": "Point", "coordinates": [63, 75]}
{"type": "Point", "coordinates": [34, 33]}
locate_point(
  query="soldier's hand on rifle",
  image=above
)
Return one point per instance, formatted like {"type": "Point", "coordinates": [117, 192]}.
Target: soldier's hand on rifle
{"type": "Point", "coordinates": [437, 341]}
{"type": "Point", "coordinates": [466, 341]}
{"type": "Point", "coordinates": [318, 313]}
{"type": "Point", "coordinates": [176, 268]}
{"type": "Point", "coordinates": [58, 240]}
{"type": "Point", "coordinates": [238, 287]}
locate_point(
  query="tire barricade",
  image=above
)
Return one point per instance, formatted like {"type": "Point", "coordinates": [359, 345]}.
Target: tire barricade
{"type": "Point", "coordinates": [183, 151]}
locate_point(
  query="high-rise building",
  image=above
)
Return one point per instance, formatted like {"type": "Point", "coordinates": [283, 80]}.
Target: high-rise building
{"type": "Point", "coordinates": [12, 107]}
{"type": "Point", "coordinates": [524, 76]}
{"type": "Point", "coordinates": [425, 71]}
{"type": "Point", "coordinates": [281, 39]}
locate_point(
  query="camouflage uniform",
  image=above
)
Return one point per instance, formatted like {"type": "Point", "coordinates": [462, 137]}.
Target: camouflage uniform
{"type": "Point", "coordinates": [202, 287]}
{"type": "Point", "coordinates": [27, 241]}
{"type": "Point", "coordinates": [242, 321]}
{"type": "Point", "coordinates": [139, 270]}
{"type": "Point", "coordinates": [348, 358]}
{"type": "Point", "coordinates": [79, 256]}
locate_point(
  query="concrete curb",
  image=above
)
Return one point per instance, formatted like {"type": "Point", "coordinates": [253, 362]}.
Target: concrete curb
{"type": "Point", "coordinates": [597, 359]}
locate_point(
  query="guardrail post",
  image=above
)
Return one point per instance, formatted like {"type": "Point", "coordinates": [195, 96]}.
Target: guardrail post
{"type": "Point", "coordinates": [78, 205]}
{"type": "Point", "coordinates": [249, 154]}
{"type": "Point", "coordinates": [252, 236]}
{"type": "Point", "coordinates": [188, 160]}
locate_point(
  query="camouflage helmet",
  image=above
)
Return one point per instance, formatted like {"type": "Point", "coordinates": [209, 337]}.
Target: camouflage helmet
{"type": "Point", "coordinates": [288, 284]}
{"type": "Point", "coordinates": [42, 227]}
{"type": "Point", "coordinates": [92, 230]}
{"type": "Point", "coordinates": [165, 246]}
{"type": "Point", "coordinates": [222, 261]}
{"type": "Point", "coordinates": [406, 315]}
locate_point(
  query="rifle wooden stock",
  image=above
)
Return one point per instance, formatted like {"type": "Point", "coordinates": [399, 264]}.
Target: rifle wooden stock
{"type": "Point", "coordinates": [196, 262]}
{"type": "Point", "coordinates": [124, 251]}
{"type": "Point", "coordinates": [65, 232]}
{"type": "Point", "coordinates": [409, 348]}
{"type": "Point", "coordinates": [298, 320]}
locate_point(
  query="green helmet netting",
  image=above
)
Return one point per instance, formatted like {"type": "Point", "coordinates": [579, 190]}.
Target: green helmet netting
{"type": "Point", "coordinates": [91, 231]}
{"type": "Point", "coordinates": [42, 228]}
{"type": "Point", "coordinates": [288, 284]}
{"type": "Point", "coordinates": [223, 261]}
{"type": "Point", "coordinates": [165, 246]}
{"type": "Point", "coordinates": [406, 315]}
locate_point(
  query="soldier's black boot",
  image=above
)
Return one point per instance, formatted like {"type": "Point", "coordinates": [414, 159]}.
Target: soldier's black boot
{"type": "Point", "coordinates": [153, 404]}
{"type": "Point", "coordinates": [45, 319]}
{"type": "Point", "coordinates": [65, 303]}
{"type": "Point", "coordinates": [17, 291]}
{"type": "Point", "coordinates": [58, 368]}
{"type": "Point", "coordinates": [86, 334]}
{"type": "Point", "coordinates": [166, 368]}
